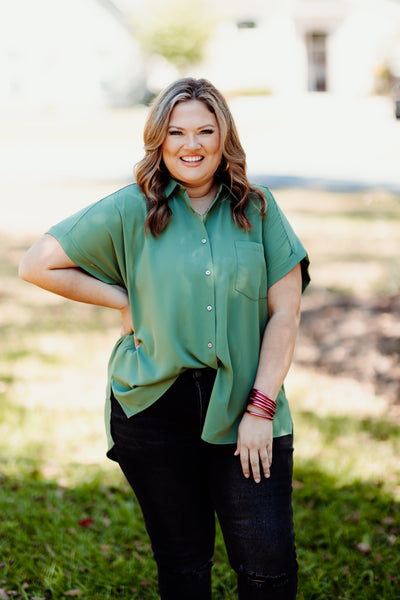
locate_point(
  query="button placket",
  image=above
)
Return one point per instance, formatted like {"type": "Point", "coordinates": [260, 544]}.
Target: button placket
{"type": "Point", "coordinates": [210, 286]}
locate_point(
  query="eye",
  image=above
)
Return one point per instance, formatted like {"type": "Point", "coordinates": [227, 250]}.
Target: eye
{"type": "Point", "coordinates": [207, 131]}
{"type": "Point", "coordinates": [175, 132]}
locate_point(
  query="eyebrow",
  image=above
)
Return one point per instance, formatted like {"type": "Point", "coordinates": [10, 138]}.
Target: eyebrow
{"type": "Point", "coordinates": [201, 127]}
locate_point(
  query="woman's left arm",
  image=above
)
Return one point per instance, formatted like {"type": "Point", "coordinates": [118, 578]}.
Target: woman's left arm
{"type": "Point", "coordinates": [254, 444]}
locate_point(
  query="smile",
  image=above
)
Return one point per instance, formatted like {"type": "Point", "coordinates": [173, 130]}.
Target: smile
{"type": "Point", "coordinates": [192, 159]}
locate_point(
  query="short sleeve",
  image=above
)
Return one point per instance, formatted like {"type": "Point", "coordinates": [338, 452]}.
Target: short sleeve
{"type": "Point", "coordinates": [93, 239]}
{"type": "Point", "coordinates": [283, 249]}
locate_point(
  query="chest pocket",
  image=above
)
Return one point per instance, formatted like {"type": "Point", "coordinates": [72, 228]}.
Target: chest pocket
{"type": "Point", "coordinates": [251, 270]}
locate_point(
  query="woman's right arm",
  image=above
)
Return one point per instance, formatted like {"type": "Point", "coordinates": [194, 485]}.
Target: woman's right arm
{"type": "Point", "coordinates": [47, 265]}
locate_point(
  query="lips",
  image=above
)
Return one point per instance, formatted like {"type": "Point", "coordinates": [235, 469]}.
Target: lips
{"type": "Point", "coordinates": [192, 159]}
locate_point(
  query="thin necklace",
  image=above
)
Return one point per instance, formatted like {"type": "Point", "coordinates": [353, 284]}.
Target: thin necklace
{"type": "Point", "coordinates": [204, 212]}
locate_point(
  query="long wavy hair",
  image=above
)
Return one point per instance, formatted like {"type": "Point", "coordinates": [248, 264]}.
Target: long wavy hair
{"type": "Point", "coordinates": [152, 175]}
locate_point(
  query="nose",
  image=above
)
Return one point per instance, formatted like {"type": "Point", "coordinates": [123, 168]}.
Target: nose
{"type": "Point", "coordinates": [192, 142]}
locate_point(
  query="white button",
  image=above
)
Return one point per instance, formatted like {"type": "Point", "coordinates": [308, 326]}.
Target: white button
{"type": "Point", "coordinates": [209, 345]}
{"type": "Point", "coordinates": [209, 307]}
{"type": "Point", "coordinates": [208, 272]}
{"type": "Point", "coordinates": [204, 241]}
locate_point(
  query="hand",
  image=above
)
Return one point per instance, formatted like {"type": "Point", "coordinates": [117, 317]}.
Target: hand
{"type": "Point", "coordinates": [126, 320]}
{"type": "Point", "coordinates": [254, 446]}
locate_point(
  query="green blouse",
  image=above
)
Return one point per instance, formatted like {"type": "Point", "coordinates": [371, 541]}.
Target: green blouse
{"type": "Point", "coordinates": [198, 295]}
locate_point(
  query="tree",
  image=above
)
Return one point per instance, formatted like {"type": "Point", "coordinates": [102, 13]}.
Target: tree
{"type": "Point", "coordinates": [178, 31]}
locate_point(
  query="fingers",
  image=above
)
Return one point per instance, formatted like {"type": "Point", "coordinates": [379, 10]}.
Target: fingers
{"type": "Point", "coordinates": [265, 461]}
{"type": "Point", "coordinates": [254, 446]}
{"type": "Point", "coordinates": [244, 461]}
{"type": "Point", "coordinates": [255, 465]}
{"type": "Point", "coordinates": [255, 462]}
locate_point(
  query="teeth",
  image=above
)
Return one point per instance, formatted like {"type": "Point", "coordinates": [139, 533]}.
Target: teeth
{"type": "Point", "coordinates": [191, 158]}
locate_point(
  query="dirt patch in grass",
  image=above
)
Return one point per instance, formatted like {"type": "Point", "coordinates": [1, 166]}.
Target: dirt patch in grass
{"type": "Point", "coordinates": [351, 313]}
{"type": "Point", "coordinates": [353, 337]}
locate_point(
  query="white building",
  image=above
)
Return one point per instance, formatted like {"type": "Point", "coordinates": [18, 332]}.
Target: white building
{"type": "Point", "coordinates": [290, 46]}
{"type": "Point", "coordinates": [80, 52]}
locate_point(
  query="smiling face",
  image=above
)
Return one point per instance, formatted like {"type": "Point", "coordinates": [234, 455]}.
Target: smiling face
{"type": "Point", "coordinates": [191, 150]}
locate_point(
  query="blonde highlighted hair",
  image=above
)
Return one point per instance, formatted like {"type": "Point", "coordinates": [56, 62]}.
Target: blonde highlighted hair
{"type": "Point", "coordinates": [152, 175]}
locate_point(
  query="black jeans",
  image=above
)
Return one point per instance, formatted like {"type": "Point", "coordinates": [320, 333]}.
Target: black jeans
{"type": "Point", "coordinates": [181, 481]}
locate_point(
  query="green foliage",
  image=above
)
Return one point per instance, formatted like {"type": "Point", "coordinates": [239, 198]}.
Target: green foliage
{"type": "Point", "coordinates": [178, 31]}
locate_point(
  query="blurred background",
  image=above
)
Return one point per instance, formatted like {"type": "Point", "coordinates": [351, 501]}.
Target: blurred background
{"type": "Point", "coordinates": [314, 86]}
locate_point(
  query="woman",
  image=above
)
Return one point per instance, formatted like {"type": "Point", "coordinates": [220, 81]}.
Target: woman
{"type": "Point", "coordinates": [207, 274]}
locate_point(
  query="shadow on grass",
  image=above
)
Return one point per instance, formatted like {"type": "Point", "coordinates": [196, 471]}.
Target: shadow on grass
{"type": "Point", "coordinates": [90, 537]}
{"type": "Point", "coordinates": [84, 538]}
{"type": "Point", "coordinates": [88, 541]}
{"type": "Point", "coordinates": [347, 538]}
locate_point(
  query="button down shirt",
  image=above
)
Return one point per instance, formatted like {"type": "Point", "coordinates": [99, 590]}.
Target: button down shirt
{"type": "Point", "coordinates": [198, 296]}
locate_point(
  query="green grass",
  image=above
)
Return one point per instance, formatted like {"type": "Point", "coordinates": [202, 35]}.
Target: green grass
{"type": "Point", "coordinates": [70, 526]}
{"type": "Point", "coordinates": [332, 523]}
{"type": "Point", "coordinates": [89, 536]}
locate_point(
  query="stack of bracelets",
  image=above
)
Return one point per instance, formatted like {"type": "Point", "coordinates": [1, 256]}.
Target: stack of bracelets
{"type": "Point", "coordinates": [260, 400]}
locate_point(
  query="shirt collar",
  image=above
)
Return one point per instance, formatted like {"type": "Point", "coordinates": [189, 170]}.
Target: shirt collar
{"type": "Point", "coordinates": [172, 185]}
{"type": "Point", "coordinates": [228, 190]}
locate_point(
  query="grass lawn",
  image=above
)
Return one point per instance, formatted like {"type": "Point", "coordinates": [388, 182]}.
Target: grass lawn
{"type": "Point", "coordinates": [70, 527]}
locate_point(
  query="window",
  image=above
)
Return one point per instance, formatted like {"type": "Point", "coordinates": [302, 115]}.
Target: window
{"type": "Point", "coordinates": [317, 61]}
{"type": "Point", "coordinates": [246, 24]}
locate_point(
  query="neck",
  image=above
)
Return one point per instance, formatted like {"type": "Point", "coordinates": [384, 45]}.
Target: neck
{"type": "Point", "coordinates": [202, 192]}
{"type": "Point", "coordinates": [202, 202]}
